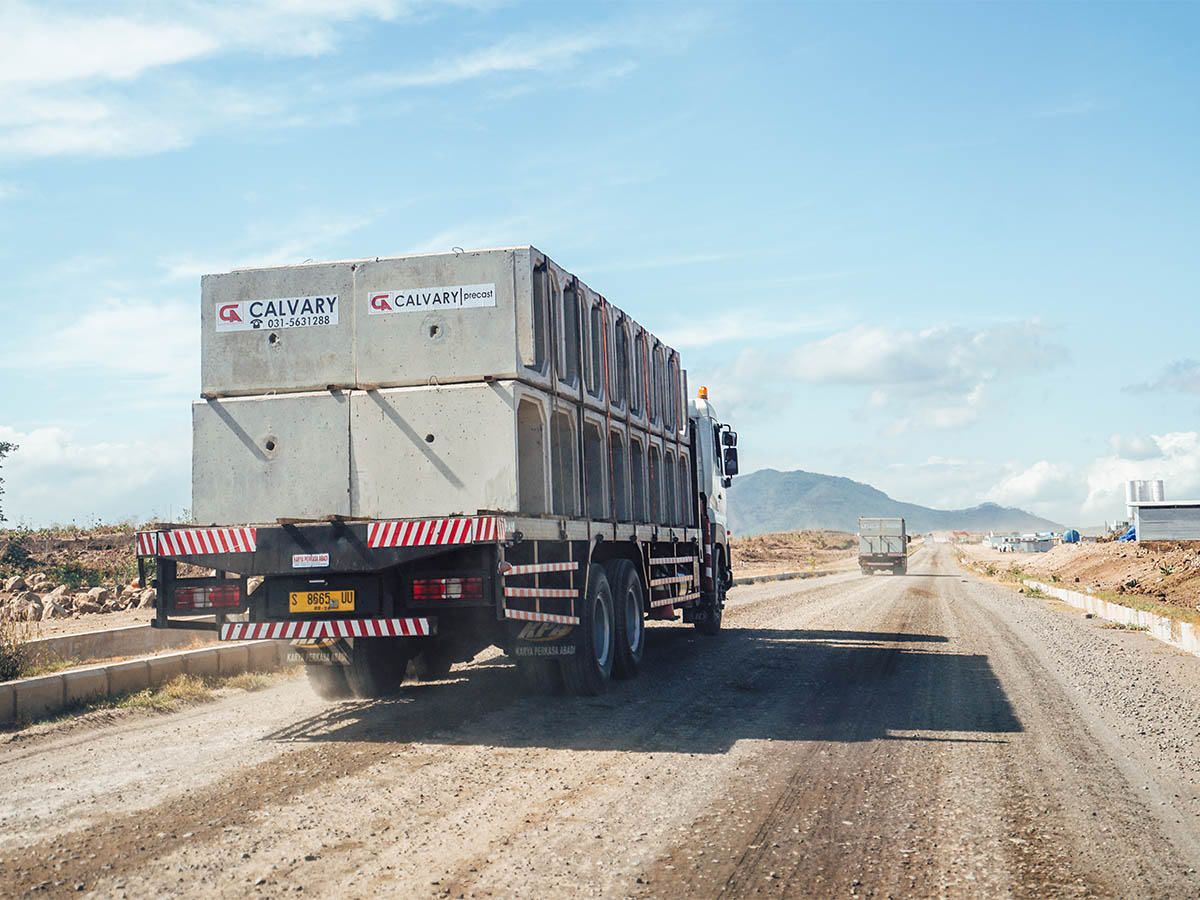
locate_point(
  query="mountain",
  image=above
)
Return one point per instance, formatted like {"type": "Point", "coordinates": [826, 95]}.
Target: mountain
{"type": "Point", "coordinates": [768, 500]}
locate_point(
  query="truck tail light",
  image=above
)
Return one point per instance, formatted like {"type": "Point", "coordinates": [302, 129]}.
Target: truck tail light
{"type": "Point", "coordinates": [215, 597]}
{"type": "Point", "coordinates": [448, 588]}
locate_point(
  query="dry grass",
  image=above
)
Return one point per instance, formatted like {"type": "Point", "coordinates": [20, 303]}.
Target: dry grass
{"type": "Point", "coordinates": [1122, 626]}
{"type": "Point", "coordinates": [14, 656]}
{"type": "Point", "coordinates": [181, 689]}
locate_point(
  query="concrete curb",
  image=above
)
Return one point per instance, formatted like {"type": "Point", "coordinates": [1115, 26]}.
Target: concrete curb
{"type": "Point", "coordinates": [1182, 635]}
{"type": "Point", "coordinates": [105, 643]}
{"type": "Point", "coordinates": [30, 698]}
{"type": "Point", "coordinates": [778, 576]}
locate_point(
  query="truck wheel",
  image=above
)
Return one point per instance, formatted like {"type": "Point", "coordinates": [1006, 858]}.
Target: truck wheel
{"type": "Point", "coordinates": [376, 666]}
{"type": "Point", "coordinates": [586, 672]}
{"type": "Point", "coordinates": [630, 613]}
{"type": "Point", "coordinates": [328, 680]}
{"type": "Point", "coordinates": [714, 606]}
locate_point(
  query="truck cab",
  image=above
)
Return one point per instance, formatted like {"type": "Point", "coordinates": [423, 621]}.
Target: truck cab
{"type": "Point", "coordinates": [716, 463]}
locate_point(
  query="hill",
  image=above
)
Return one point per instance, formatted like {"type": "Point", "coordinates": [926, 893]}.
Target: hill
{"type": "Point", "coordinates": [768, 500]}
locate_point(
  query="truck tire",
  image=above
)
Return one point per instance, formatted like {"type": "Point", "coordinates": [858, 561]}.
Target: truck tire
{"type": "Point", "coordinates": [630, 614]}
{"type": "Point", "coordinates": [714, 606]}
{"type": "Point", "coordinates": [377, 666]}
{"type": "Point", "coordinates": [328, 680]}
{"type": "Point", "coordinates": [587, 671]}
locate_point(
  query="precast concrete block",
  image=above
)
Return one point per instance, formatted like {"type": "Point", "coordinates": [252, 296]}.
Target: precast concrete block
{"type": "Point", "coordinates": [202, 663]}
{"type": "Point", "coordinates": [424, 451]}
{"type": "Point", "coordinates": [284, 328]}
{"type": "Point", "coordinates": [164, 668]}
{"type": "Point", "coordinates": [85, 684]}
{"type": "Point", "coordinates": [233, 659]}
{"type": "Point", "coordinates": [128, 677]}
{"type": "Point", "coordinates": [38, 697]}
{"type": "Point", "coordinates": [256, 459]}
{"type": "Point", "coordinates": [264, 655]}
{"type": "Point", "coordinates": [452, 317]}
{"type": "Point", "coordinates": [8, 708]}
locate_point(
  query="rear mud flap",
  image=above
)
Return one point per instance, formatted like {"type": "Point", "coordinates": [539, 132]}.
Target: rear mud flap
{"type": "Point", "coordinates": [543, 639]}
{"type": "Point", "coordinates": [323, 652]}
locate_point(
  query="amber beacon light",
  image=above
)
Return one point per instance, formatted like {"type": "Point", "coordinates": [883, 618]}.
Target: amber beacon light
{"type": "Point", "coordinates": [702, 393]}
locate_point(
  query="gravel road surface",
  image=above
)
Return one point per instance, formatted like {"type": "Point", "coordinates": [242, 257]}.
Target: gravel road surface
{"type": "Point", "coordinates": [924, 736]}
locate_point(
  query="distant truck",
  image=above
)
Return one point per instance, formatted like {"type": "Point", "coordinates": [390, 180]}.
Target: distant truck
{"type": "Point", "coordinates": [882, 546]}
{"type": "Point", "coordinates": [409, 459]}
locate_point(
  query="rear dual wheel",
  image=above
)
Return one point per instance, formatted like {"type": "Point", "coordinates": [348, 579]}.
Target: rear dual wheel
{"type": "Point", "coordinates": [375, 669]}
{"type": "Point", "coordinates": [629, 610]}
{"type": "Point", "coordinates": [587, 671]}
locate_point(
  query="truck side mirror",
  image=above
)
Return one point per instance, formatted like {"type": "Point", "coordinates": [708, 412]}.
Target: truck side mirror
{"type": "Point", "coordinates": [728, 438]}
{"type": "Point", "coordinates": [731, 461]}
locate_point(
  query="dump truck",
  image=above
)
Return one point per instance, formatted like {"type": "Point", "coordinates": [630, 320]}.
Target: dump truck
{"type": "Point", "coordinates": [882, 546]}
{"type": "Point", "coordinates": [398, 462]}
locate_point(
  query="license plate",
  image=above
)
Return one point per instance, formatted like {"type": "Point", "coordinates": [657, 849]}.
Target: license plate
{"type": "Point", "coordinates": [320, 601]}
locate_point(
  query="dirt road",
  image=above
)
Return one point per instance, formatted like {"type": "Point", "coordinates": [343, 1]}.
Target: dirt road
{"type": "Point", "coordinates": [920, 736]}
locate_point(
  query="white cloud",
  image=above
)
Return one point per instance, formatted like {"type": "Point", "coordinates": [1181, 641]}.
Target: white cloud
{"type": "Point", "coordinates": [76, 83]}
{"type": "Point", "coordinates": [548, 52]}
{"type": "Point", "coordinates": [1090, 492]}
{"type": "Point", "coordinates": [40, 45]}
{"type": "Point", "coordinates": [519, 53]}
{"type": "Point", "coordinates": [307, 237]}
{"type": "Point", "coordinates": [1134, 446]}
{"type": "Point", "coordinates": [472, 235]}
{"type": "Point", "coordinates": [1177, 462]}
{"type": "Point", "coordinates": [939, 356]}
{"type": "Point", "coordinates": [56, 477]}
{"type": "Point", "coordinates": [728, 327]}
{"type": "Point", "coordinates": [1043, 485]}
{"type": "Point", "coordinates": [939, 378]}
{"type": "Point", "coordinates": [154, 346]}
{"type": "Point", "coordinates": [1182, 376]}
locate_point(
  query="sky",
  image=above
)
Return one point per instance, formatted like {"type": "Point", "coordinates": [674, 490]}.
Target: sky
{"type": "Point", "coordinates": [947, 249]}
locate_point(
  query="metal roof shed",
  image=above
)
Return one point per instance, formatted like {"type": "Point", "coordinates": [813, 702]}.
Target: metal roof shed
{"type": "Point", "coordinates": [1167, 520]}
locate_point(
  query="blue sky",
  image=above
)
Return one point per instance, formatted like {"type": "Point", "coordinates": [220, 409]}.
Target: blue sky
{"type": "Point", "coordinates": [947, 249]}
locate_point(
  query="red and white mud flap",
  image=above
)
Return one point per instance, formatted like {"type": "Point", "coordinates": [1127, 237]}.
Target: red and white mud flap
{"type": "Point", "coordinates": [335, 628]}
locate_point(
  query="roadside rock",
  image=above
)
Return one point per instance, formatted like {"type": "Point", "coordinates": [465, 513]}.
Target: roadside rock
{"type": "Point", "coordinates": [14, 584]}
{"type": "Point", "coordinates": [53, 610]}
{"type": "Point", "coordinates": [28, 606]}
{"type": "Point", "coordinates": [147, 599]}
{"type": "Point", "coordinates": [85, 604]}
{"type": "Point", "coordinates": [99, 595]}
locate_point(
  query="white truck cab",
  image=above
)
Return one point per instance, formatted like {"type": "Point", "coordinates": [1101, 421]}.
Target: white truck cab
{"type": "Point", "coordinates": [716, 462]}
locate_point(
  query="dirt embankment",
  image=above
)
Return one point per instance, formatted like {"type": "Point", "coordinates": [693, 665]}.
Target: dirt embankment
{"type": "Point", "coordinates": [1166, 572]}
{"type": "Point", "coordinates": [791, 551]}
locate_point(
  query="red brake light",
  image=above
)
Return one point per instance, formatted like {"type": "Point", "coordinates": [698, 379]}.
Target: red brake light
{"type": "Point", "coordinates": [448, 588]}
{"type": "Point", "coordinates": [215, 597]}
